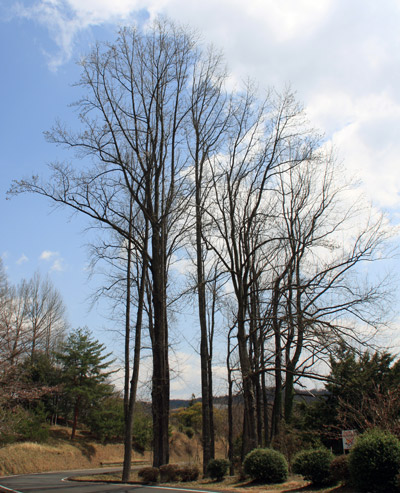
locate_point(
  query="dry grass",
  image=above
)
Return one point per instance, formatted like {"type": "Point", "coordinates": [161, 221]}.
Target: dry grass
{"type": "Point", "coordinates": [58, 454]}
{"type": "Point", "coordinates": [185, 449]}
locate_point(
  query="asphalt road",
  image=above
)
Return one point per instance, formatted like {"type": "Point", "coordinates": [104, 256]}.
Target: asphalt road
{"type": "Point", "coordinates": [56, 482]}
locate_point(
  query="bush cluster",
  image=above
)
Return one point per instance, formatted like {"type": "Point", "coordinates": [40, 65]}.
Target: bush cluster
{"type": "Point", "coordinates": [169, 473]}
{"type": "Point", "coordinates": [314, 465]}
{"type": "Point", "coordinates": [339, 470]}
{"type": "Point", "coordinates": [189, 473]}
{"type": "Point", "coordinates": [267, 465]}
{"type": "Point", "coordinates": [217, 468]}
{"type": "Point", "coordinates": [374, 461]}
{"type": "Point", "coordinates": [149, 474]}
{"type": "Point", "coordinates": [373, 464]}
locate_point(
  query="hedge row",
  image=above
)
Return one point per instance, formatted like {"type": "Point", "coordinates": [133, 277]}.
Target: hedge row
{"type": "Point", "coordinates": [373, 465]}
{"type": "Point", "coordinates": [169, 473]}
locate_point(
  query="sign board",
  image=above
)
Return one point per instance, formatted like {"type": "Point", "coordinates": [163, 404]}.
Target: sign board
{"type": "Point", "coordinates": [348, 438]}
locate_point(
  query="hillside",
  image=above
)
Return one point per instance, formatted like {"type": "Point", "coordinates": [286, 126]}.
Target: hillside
{"type": "Point", "coordinates": [60, 453]}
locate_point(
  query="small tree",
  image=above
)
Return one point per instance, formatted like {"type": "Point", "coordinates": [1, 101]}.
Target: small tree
{"type": "Point", "coordinates": [84, 371]}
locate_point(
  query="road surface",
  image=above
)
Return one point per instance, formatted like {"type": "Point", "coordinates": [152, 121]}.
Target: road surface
{"type": "Point", "coordinates": [56, 482]}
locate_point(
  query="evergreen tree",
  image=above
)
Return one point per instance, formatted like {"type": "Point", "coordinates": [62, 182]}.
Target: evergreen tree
{"type": "Point", "coordinates": [84, 371]}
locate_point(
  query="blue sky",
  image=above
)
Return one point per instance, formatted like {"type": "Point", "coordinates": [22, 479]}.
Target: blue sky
{"type": "Point", "coordinates": [342, 57]}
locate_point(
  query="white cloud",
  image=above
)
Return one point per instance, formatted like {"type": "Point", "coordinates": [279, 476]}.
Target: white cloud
{"type": "Point", "coordinates": [22, 259]}
{"type": "Point", "coordinates": [47, 255]}
{"type": "Point", "coordinates": [57, 266]}
{"type": "Point", "coordinates": [65, 20]}
{"type": "Point", "coordinates": [57, 261]}
{"type": "Point", "coordinates": [364, 130]}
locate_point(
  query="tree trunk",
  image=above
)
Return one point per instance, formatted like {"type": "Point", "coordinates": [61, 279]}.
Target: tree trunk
{"type": "Point", "coordinates": [131, 388]}
{"type": "Point", "coordinates": [250, 437]}
{"type": "Point", "coordinates": [277, 407]}
{"type": "Point", "coordinates": [230, 408]}
{"type": "Point", "coordinates": [265, 406]}
{"type": "Point", "coordinates": [204, 352]}
{"type": "Point", "coordinates": [75, 421]}
{"type": "Point", "coordinates": [160, 382]}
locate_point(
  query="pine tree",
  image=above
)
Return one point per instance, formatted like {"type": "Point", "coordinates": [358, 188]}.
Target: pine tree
{"type": "Point", "coordinates": [84, 371]}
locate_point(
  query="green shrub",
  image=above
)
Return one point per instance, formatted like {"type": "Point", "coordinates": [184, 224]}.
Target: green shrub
{"type": "Point", "coordinates": [189, 431]}
{"type": "Point", "coordinates": [142, 430]}
{"type": "Point", "coordinates": [106, 421]}
{"type": "Point", "coordinates": [188, 473]}
{"type": "Point", "coordinates": [149, 474]}
{"type": "Point", "coordinates": [339, 469]}
{"type": "Point", "coordinates": [32, 425]}
{"type": "Point", "coordinates": [169, 473]}
{"type": "Point", "coordinates": [217, 468]}
{"type": "Point", "coordinates": [374, 461]}
{"type": "Point", "coordinates": [266, 465]}
{"type": "Point", "coordinates": [19, 424]}
{"type": "Point", "coordinates": [313, 465]}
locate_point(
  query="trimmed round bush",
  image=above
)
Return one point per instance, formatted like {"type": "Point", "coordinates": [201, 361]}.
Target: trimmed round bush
{"type": "Point", "coordinates": [339, 470]}
{"type": "Point", "coordinates": [374, 461]}
{"type": "Point", "coordinates": [169, 473]}
{"type": "Point", "coordinates": [313, 465]}
{"type": "Point", "coordinates": [188, 473]}
{"type": "Point", "coordinates": [217, 468]}
{"type": "Point", "coordinates": [266, 465]}
{"type": "Point", "coordinates": [149, 474]}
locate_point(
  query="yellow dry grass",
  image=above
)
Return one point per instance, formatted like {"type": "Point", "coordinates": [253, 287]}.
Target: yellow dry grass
{"type": "Point", "coordinates": [59, 454]}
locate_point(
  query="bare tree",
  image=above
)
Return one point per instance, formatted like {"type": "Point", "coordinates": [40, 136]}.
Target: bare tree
{"type": "Point", "coordinates": [134, 119]}
{"type": "Point", "coordinates": [15, 334]}
{"type": "Point", "coordinates": [318, 295]}
{"type": "Point", "coordinates": [209, 121]}
{"type": "Point", "coordinates": [45, 315]}
{"type": "Point", "coordinates": [32, 318]}
{"type": "Point", "coordinates": [265, 137]}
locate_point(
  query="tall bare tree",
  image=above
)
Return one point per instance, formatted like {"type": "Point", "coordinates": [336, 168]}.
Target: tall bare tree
{"type": "Point", "coordinates": [134, 118]}
{"type": "Point", "coordinates": [265, 137]}
{"type": "Point", "coordinates": [209, 114]}
{"type": "Point", "coordinates": [320, 295]}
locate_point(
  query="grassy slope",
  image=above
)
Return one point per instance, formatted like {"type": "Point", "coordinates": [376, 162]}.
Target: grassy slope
{"type": "Point", "coordinates": [59, 453]}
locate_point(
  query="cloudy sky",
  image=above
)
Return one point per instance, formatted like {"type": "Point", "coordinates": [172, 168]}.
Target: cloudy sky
{"type": "Point", "coordinates": [342, 57]}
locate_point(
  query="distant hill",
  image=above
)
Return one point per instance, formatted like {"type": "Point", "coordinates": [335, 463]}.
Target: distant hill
{"type": "Point", "coordinates": [222, 401]}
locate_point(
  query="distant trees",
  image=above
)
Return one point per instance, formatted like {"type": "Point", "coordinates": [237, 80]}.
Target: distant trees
{"type": "Point", "coordinates": [72, 382]}
{"type": "Point", "coordinates": [364, 389]}
{"type": "Point", "coordinates": [361, 393]}
{"type": "Point", "coordinates": [32, 319]}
